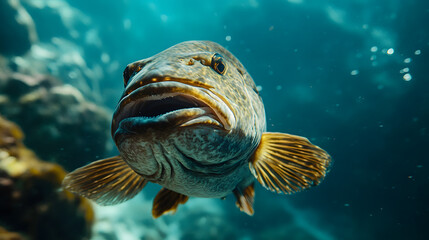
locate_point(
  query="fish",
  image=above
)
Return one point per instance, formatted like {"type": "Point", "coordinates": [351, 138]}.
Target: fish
{"type": "Point", "coordinates": [191, 119]}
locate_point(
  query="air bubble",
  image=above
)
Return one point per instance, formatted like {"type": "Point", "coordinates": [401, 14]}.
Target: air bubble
{"type": "Point", "coordinates": [164, 18]}
{"type": "Point", "coordinates": [374, 49]}
{"type": "Point", "coordinates": [404, 70]}
{"type": "Point", "coordinates": [228, 38]}
{"type": "Point", "coordinates": [390, 51]}
{"type": "Point", "coordinates": [354, 72]}
{"type": "Point", "coordinates": [417, 52]}
{"type": "Point", "coordinates": [105, 58]}
{"type": "Point", "coordinates": [407, 77]}
{"type": "Point", "coordinates": [407, 60]}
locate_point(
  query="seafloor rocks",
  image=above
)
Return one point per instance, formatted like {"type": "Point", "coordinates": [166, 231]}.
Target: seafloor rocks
{"type": "Point", "coordinates": [61, 126]}
{"type": "Point", "coordinates": [204, 219]}
{"type": "Point", "coordinates": [31, 204]}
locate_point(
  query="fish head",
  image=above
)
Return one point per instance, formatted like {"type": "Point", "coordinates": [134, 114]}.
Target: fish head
{"type": "Point", "coordinates": [193, 103]}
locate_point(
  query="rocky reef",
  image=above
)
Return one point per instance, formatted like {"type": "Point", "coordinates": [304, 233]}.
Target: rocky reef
{"type": "Point", "coordinates": [61, 126]}
{"type": "Point", "coordinates": [32, 206]}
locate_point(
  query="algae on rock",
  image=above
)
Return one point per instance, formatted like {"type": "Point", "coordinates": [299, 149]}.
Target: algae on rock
{"type": "Point", "coordinates": [32, 202]}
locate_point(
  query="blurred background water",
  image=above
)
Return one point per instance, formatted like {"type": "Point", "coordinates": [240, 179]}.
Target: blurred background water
{"type": "Point", "coordinates": [351, 75]}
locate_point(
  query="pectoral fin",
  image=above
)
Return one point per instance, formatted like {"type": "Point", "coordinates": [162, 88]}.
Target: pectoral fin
{"type": "Point", "coordinates": [166, 201]}
{"type": "Point", "coordinates": [107, 182]}
{"type": "Point", "coordinates": [245, 199]}
{"type": "Point", "coordinates": [287, 163]}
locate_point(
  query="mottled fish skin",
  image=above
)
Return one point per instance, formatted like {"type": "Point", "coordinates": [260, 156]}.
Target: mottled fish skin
{"type": "Point", "coordinates": [201, 160]}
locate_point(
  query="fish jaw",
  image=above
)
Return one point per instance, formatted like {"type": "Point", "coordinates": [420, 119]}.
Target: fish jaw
{"type": "Point", "coordinates": [171, 104]}
{"type": "Point", "coordinates": [153, 113]}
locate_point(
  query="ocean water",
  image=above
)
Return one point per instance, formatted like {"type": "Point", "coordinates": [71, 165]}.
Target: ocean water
{"type": "Point", "coordinates": [351, 75]}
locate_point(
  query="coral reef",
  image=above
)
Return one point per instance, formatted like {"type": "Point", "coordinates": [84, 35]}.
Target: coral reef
{"type": "Point", "coordinates": [31, 203]}
{"type": "Point", "coordinates": [6, 235]}
{"type": "Point", "coordinates": [61, 126]}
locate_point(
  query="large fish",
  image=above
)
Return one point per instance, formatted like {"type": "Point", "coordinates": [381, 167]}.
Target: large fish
{"type": "Point", "coordinates": [191, 120]}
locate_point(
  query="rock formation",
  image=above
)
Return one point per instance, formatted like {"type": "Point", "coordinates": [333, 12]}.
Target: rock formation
{"type": "Point", "coordinates": [31, 203]}
{"type": "Point", "coordinates": [61, 126]}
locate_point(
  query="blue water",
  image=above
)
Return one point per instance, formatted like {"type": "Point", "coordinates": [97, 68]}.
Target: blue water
{"type": "Point", "coordinates": [350, 75]}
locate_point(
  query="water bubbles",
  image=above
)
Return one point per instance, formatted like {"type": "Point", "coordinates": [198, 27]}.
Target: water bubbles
{"type": "Point", "coordinates": [404, 70]}
{"type": "Point", "coordinates": [105, 58]}
{"type": "Point", "coordinates": [279, 87]}
{"type": "Point", "coordinates": [127, 24]}
{"type": "Point", "coordinates": [259, 88]}
{"type": "Point", "coordinates": [228, 38]}
{"type": "Point", "coordinates": [360, 99]}
{"type": "Point", "coordinates": [379, 56]}
{"type": "Point", "coordinates": [295, 1]}
{"type": "Point", "coordinates": [346, 205]}
{"type": "Point", "coordinates": [164, 18]}
{"type": "Point", "coordinates": [354, 72]}
{"type": "Point", "coordinates": [407, 77]}
{"type": "Point", "coordinates": [72, 75]}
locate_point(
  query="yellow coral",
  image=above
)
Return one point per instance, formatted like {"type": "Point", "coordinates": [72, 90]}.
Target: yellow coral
{"type": "Point", "coordinates": [11, 165]}
{"type": "Point", "coordinates": [19, 162]}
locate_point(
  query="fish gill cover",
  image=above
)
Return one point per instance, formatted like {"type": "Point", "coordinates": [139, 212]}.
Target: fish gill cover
{"type": "Point", "coordinates": [349, 75]}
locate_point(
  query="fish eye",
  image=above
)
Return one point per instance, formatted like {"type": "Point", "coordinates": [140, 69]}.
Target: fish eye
{"type": "Point", "coordinates": [218, 64]}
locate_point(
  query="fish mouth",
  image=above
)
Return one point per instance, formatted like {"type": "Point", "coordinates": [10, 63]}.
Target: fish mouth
{"type": "Point", "coordinates": [172, 102]}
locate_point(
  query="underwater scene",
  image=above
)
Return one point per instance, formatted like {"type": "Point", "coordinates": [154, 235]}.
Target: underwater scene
{"type": "Point", "coordinates": [106, 135]}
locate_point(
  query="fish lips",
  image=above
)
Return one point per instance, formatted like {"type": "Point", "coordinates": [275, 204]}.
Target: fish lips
{"type": "Point", "coordinates": [170, 104]}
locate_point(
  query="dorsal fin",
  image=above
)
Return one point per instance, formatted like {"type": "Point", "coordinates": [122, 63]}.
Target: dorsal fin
{"type": "Point", "coordinates": [107, 182]}
{"type": "Point", "coordinates": [245, 199]}
{"type": "Point", "coordinates": [166, 201]}
{"type": "Point", "coordinates": [287, 163]}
